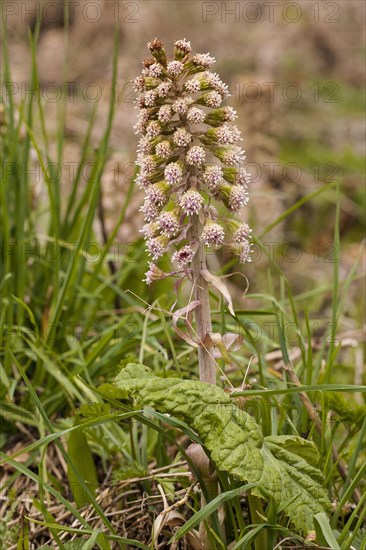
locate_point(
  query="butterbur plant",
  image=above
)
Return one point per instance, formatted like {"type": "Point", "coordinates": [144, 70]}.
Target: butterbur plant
{"type": "Point", "coordinates": [190, 168]}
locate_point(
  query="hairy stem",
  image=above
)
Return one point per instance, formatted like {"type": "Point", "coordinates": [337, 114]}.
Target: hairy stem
{"type": "Point", "coordinates": [207, 368]}
{"type": "Point", "coordinates": [209, 480]}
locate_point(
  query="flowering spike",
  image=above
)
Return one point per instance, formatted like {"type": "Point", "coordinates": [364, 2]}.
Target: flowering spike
{"type": "Point", "coordinates": [189, 159]}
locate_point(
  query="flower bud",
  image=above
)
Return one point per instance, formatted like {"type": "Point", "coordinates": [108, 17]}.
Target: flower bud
{"type": "Point", "coordinates": [163, 149]}
{"type": "Point", "coordinates": [150, 229]}
{"type": "Point", "coordinates": [199, 62]}
{"type": "Point", "coordinates": [157, 193]}
{"type": "Point", "coordinates": [157, 50]}
{"type": "Point", "coordinates": [224, 135]}
{"type": "Point", "coordinates": [245, 251]}
{"type": "Point", "coordinates": [241, 230]}
{"type": "Point", "coordinates": [173, 173]}
{"type": "Point", "coordinates": [210, 99]}
{"type": "Point", "coordinates": [213, 177]}
{"type": "Point", "coordinates": [217, 116]}
{"type": "Point", "coordinates": [184, 256]}
{"type": "Point", "coordinates": [157, 246]}
{"type": "Point", "coordinates": [191, 202]}
{"type": "Point", "coordinates": [154, 274]}
{"type": "Point", "coordinates": [196, 156]}
{"type": "Point", "coordinates": [182, 138]}
{"type": "Point", "coordinates": [213, 234]}
{"type": "Point", "coordinates": [195, 115]}
{"type": "Point", "coordinates": [175, 68]}
{"type": "Point", "coordinates": [168, 223]}
{"type": "Point", "coordinates": [150, 210]}
{"type": "Point", "coordinates": [231, 156]}
{"type": "Point", "coordinates": [182, 49]}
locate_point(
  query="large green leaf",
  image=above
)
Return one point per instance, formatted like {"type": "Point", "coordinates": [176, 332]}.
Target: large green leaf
{"type": "Point", "coordinates": [282, 466]}
{"type": "Point", "coordinates": [298, 446]}
{"type": "Point", "coordinates": [294, 485]}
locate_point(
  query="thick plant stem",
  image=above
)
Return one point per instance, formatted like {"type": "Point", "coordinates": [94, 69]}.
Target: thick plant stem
{"type": "Point", "coordinates": [207, 368]}
{"type": "Point", "coordinates": [209, 480]}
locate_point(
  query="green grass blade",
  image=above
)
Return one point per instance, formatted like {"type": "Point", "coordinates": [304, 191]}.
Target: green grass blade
{"type": "Point", "coordinates": [209, 508]}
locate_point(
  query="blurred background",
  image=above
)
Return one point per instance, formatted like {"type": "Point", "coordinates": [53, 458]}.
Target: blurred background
{"type": "Point", "coordinates": [296, 75]}
{"type": "Point", "coordinates": [296, 72]}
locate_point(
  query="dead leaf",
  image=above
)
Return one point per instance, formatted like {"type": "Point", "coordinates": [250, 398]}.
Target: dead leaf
{"type": "Point", "coordinates": [185, 313]}
{"type": "Point", "coordinates": [220, 286]}
{"type": "Point", "coordinates": [222, 344]}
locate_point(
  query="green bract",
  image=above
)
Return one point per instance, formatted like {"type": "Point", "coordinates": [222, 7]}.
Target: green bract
{"type": "Point", "coordinates": [282, 466]}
